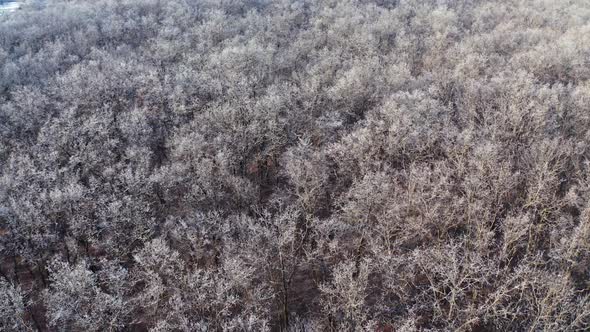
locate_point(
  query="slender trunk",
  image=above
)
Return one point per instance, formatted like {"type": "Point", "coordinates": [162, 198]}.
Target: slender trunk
{"type": "Point", "coordinates": [36, 322]}
{"type": "Point", "coordinates": [14, 261]}
{"type": "Point", "coordinates": [285, 308]}
{"type": "Point", "coordinates": [67, 250]}
{"type": "Point", "coordinates": [4, 275]}
{"type": "Point", "coordinates": [43, 278]}
{"type": "Point", "coordinates": [87, 248]}
{"type": "Point", "coordinates": [285, 293]}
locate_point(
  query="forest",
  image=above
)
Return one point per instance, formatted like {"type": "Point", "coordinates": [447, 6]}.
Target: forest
{"type": "Point", "coordinates": [295, 165]}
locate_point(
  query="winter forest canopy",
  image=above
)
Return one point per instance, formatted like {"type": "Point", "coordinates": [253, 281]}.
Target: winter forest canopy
{"type": "Point", "coordinates": [295, 165]}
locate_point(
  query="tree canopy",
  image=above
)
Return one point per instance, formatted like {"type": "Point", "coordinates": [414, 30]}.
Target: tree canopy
{"type": "Point", "coordinates": [295, 165]}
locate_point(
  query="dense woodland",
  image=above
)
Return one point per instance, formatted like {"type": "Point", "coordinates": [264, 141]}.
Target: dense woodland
{"type": "Point", "coordinates": [295, 165]}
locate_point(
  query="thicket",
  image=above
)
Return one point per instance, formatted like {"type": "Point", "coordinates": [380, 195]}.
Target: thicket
{"type": "Point", "coordinates": [310, 165]}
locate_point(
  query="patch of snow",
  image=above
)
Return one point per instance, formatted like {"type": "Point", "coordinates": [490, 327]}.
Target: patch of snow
{"type": "Point", "coordinates": [9, 6]}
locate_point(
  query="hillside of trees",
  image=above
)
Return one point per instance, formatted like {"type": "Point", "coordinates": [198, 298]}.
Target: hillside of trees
{"type": "Point", "coordinates": [295, 165]}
